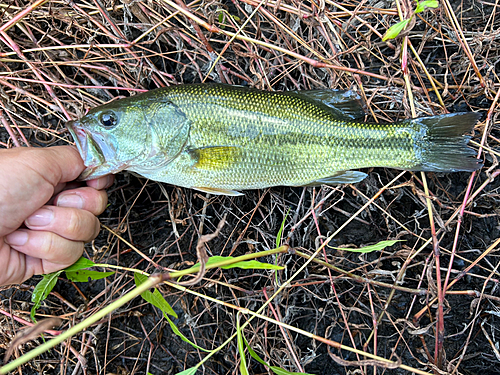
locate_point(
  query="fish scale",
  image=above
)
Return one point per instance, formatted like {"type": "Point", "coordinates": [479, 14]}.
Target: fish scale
{"type": "Point", "coordinates": [222, 139]}
{"type": "Point", "coordinates": [306, 144]}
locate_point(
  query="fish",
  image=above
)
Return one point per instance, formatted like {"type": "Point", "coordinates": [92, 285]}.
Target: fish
{"type": "Point", "coordinates": [224, 139]}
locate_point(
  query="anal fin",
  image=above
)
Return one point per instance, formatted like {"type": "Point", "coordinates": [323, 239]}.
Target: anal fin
{"type": "Point", "coordinates": [217, 191]}
{"type": "Point", "coordinates": [340, 178]}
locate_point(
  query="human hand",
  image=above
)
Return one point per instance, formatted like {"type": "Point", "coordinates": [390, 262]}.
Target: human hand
{"type": "Point", "coordinates": [58, 217]}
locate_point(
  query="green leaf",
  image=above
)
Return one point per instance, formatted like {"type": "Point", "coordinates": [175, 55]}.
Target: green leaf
{"type": "Point", "coordinates": [280, 232]}
{"type": "Point", "coordinates": [189, 371]}
{"type": "Point", "coordinates": [49, 281]}
{"type": "Point", "coordinates": [275, 369]}
{"type": "Point", "coordinates": [255, 355]}
{"type": "Point", "coordinates": [42, 290]}
{"type": "Point", "coordinates": [241, 346]}
{"type": "Point", "coordinates": [222, 18]}
{"type": "Point", "coordinates": [83, 276]}
{"type": "Point", "coordinates": [155, 298]}
{"type": "Point", "coordinates": [394, 30]}
{"type": "Point", "coordinates": [370, 248]}
{"type": "Point", "coordinates": [245, 264]}
{"type": "Point", "coordinates": [80, 264]}
{"type": "Point", "coordinates": [183, 338]}
{"type": "Point", "coordinates": [252, 264]}
{"type": "Point", "coordinates": [139, 278]}
{"type": "Point", "coordinates": [426, 4]}
{"type": "Point", "coordinates": [280, 371]}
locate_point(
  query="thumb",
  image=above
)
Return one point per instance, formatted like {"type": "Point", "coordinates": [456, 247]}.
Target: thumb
{"type": "Point", "coordinates": [55, 164]}
{"type": "Point", "coordinates": [29, 177]}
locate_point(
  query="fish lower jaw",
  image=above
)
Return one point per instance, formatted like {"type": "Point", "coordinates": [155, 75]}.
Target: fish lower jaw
{"type": "Point", "coordinates": [95, 171]}
{"type": "Point", "coordinates": [87, 174]}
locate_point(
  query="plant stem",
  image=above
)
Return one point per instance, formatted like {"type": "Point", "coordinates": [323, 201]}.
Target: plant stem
{"type": "Point", "coordinates": [150, 283]}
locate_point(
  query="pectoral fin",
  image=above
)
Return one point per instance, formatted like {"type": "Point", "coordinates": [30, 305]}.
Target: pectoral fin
{"type": "Point", "coordinates": [341, 177]}
{"type": "Point", "coordinates": [344, 104]}
{"type": "Point", "coordinates": [215, 158]}
{"type": "Point", "coordinates": [215, 191]}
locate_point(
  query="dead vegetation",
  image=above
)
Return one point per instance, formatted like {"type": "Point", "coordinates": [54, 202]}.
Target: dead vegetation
{"type": "Point", "coordinates": [429, 303]}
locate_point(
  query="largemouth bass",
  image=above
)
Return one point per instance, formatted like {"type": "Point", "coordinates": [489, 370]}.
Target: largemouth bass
{"type": "Point", "coordinates": [222, 139]}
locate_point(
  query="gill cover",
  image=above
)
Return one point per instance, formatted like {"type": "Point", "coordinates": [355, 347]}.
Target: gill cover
{"type": "Point", "coordinates": [169, 131]}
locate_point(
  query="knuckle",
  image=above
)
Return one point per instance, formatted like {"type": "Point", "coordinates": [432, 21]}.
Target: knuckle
{"type": "Point", "coordinates": [48, 244]}
{"type": "Point", "coordinates": [102, 202]}
{"type": "Point", "coordinates": [72, 256]}
{"type": "Point", "coordinates": [96, 227]}
{"type": "Point", "coordinates": [81, 225]}
{"type": "Point", "coordinates": [69, 253]}
{"type": "Point", "coordinates": [73, 224]}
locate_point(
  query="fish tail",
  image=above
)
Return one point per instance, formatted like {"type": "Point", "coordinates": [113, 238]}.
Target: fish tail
{"type": "Point", "coordinates": [441, 143]}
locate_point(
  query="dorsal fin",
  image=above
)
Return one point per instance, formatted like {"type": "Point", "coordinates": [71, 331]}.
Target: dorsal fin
{"type": "Point", "coordinates": [344, 104]}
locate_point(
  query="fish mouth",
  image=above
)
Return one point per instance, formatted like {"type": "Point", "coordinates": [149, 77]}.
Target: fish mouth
{"type": "Point", "coordinates": [89, 150]}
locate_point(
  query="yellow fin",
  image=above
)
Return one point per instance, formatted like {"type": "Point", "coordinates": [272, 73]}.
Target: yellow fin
{"type": "Point", "coordinates": [215, 158]}
{"type": "Point", "coordinates": [217, 191]}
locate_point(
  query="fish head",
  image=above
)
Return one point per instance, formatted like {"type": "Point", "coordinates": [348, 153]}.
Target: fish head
{"type": "Point", "coordinates": [134, 134]}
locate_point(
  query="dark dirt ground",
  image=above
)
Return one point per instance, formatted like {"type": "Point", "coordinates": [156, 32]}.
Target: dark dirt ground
{"type": "Point", "coordinates": [332, 304]}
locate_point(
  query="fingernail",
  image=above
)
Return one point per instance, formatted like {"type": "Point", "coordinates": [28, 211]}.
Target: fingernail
{"type": "Point", "coordinates": [70, 200]}
{"type": "Point", "coordinates": [40, 218]}
{"type": "Point", "coordinates": [17, 238]}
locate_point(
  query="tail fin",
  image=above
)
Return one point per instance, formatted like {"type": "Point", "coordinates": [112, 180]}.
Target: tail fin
{"type": "Point", "coordinates": [442, 146]}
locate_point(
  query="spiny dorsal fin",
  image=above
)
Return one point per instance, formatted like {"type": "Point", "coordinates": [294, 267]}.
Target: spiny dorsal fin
{"type": "Point", "coordinates": [344, 104]}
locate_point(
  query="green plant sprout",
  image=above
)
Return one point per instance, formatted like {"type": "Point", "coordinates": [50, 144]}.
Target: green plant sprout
{"type": "Point", "coordinates": [146, 288]}
{"type": "Point", "coordinates": [75, 273]}
{"type": "Point", "coordinates": [396, 29]}
{"type": "Point", "coordinates": [223, 15]}
{"type": "Point", "coordinates": [368, 249]}
{"type": "Point", "coordinates": [78, 273]}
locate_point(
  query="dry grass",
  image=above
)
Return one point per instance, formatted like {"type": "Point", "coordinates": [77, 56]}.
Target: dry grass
{"type": "Point", "coordinates": [429, 303]}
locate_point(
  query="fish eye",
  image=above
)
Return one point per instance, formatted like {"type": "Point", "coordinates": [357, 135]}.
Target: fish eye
{"type": "Point", "coordinates": [108, 120]}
